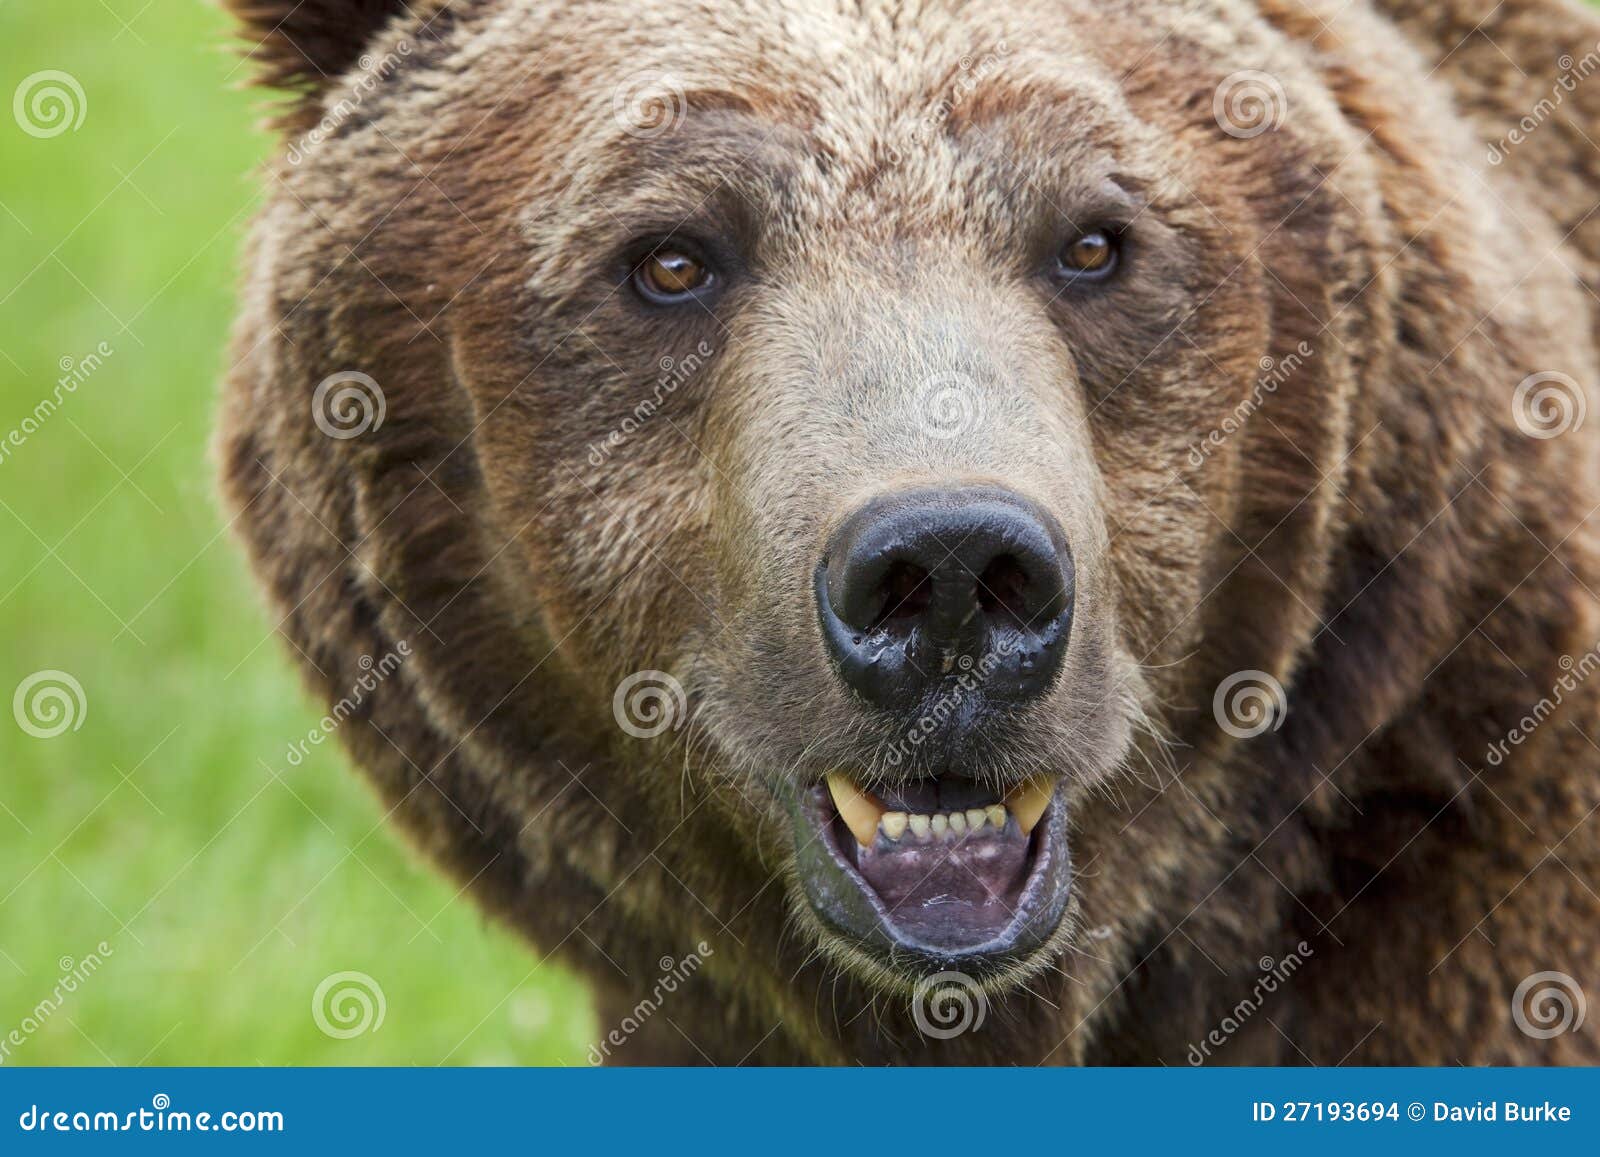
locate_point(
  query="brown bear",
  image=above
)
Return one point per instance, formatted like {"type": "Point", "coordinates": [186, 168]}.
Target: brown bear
{"type": "Point", "coordinates": [894, 532]}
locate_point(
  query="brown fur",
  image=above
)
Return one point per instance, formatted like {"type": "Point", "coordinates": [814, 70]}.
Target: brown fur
{"type": "Point", "coordinates": [1380, 537]}
{"type": "Point", "coordinates": [302, 46]}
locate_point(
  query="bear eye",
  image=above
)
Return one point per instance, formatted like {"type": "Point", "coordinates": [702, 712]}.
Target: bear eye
{"type": "Point", "coordinates": [670, 275]}
{"type": "Point", "coordinates": [1091, 255]}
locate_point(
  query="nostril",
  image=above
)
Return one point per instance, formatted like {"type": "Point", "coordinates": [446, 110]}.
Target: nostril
{"type": "Point", "coordinates": [1003, 589]}
{"type": "Point", "coordinates": [911, 584]}
{"type": "Point", "coordinates": [907, 592]}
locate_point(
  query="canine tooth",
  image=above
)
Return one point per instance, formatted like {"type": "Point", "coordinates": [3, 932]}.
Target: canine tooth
{"type": "Point", "coordinates": [996, 814]}
{"type": "Point", "coordinates": [1028, 802]}
{"type": "Point", "coordinates": [958, 823]}
{"type": "Point", "coordinates": [975, 818]}
{"type": "Point", "coordinates": [893, 824]}
{"type": "Point", "coordinates": [919, 826]}
{"type": "Point", "coordinates": [859, 809]}
{"type": "Point", "coordinates": [940, 824]}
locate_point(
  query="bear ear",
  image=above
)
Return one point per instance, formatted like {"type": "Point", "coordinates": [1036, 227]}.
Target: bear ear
{"type": "Point", "coordinates": [300, 45]}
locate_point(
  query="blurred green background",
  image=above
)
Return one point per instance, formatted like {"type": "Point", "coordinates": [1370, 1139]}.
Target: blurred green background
{"type": "Point", "coordinates": [226, 883]}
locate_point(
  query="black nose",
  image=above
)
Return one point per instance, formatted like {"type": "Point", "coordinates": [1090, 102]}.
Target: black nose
{"type": "Point", "coordinates": [927, 592]}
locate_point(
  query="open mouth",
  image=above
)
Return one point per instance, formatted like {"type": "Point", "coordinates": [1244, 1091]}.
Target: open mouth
{"type": "Point", "coordinates": [942, 868]}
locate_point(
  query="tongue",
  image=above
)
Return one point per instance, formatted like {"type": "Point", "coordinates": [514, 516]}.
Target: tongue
{"type": "Point", "coordinates": [953, 893]}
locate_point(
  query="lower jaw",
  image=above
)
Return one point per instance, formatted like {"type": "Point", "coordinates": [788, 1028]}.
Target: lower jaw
{"type": "Point", "coordinates": [915, 932]}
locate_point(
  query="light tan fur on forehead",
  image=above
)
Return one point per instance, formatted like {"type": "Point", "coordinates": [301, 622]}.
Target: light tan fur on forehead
{"type": "Point", "coordinates": [869, 84]}
{"type": "Point", "coordinates": [987, 149]}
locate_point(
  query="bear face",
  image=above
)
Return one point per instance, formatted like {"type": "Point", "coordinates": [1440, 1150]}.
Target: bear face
{"type": "Point", "coordinates": [830, 457]}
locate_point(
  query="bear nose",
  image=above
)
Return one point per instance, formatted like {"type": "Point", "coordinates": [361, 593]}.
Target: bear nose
{"type": "Point", "coordinates": [921, 588]}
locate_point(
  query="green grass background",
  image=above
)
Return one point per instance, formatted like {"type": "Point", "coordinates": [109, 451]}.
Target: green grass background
{"type": "Point", "coordinates": [226, 893]}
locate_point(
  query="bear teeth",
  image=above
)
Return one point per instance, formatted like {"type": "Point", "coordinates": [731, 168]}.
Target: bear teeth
{"type": "Point", "coordinates": [860, 810]}
{"type": "Point", "coordinates": [866, 816]}
{"type": "Point", "coordinates": [944, 825]}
